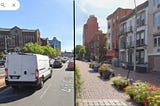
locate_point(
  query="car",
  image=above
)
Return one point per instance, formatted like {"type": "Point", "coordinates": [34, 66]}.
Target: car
{"type": "Point", "coordinates": [57, 64]}
{"type": "Point", "coordinates": [70, 66]}
{"type": "Point", "coordinates": [2, 62]}
{"type": "Point", "coordinates": [29, 69]}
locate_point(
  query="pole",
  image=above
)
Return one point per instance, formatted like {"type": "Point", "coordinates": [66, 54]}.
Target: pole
{"type": "Point", "coordinates": [74, 34]}
{"type": "Point", "coordinates": [135, 38]}
{"type": "Point", "coordinates": [5, 39]}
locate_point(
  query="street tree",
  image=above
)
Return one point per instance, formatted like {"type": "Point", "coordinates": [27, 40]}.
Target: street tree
{"type": "Point", "coordinates": [82, 52]}
{"type": "Point", "coordinates": [38, 49]}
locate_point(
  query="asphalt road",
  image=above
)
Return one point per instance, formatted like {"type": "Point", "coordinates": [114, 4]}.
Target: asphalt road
{"type": "Point", "coordinates": [57, 91]}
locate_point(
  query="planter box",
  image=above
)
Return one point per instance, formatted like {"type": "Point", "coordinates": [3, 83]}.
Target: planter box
{"type": "Point", "coordinates": [106, 74]}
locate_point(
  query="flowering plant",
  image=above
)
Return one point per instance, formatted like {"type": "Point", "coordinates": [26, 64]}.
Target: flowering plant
{"type": "Point", "coordinates": [102, 68]}
{"type": "Point", "coordinates": [120, 82]}
{"type": "Point", "coordinates": [145, 93]}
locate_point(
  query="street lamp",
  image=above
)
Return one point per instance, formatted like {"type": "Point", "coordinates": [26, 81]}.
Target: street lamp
{"type": "Point", "coordinates": [135, 38]}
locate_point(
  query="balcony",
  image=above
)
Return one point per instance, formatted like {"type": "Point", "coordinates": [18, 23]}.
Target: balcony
{"type": "Point", "coordinates": [131, 44]}
{"type": "Point", "coordinates": [123, 31]}
{"type": "Point", "coordinates": [130, 29]}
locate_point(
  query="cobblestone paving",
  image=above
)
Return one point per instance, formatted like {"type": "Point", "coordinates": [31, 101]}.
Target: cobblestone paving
{"type": "Point", "coordinates": [95, 88]}
{"type": "Point", "coordinates": [103, 102]}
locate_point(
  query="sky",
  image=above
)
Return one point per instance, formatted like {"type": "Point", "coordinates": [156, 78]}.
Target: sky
{"type": "Point", "coordinates": [54, 18]}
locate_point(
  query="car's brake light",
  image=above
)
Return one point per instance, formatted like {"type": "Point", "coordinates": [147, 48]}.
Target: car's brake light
{"type": "Point", "coordinates": [6, 73]}
{"type": "Point", "coordinates": [37, 74]}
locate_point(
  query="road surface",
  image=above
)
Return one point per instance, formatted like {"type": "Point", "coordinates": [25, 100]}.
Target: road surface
{"type": "Point", "coordinates": [57, 91]}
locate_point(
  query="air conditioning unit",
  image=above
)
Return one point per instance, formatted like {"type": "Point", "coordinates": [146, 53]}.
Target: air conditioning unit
{"type": "Point", "coordinates": [158, 50]}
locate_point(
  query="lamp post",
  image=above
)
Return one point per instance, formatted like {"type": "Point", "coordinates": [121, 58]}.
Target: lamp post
{"type": "Point", "coordinates": [135, 38]}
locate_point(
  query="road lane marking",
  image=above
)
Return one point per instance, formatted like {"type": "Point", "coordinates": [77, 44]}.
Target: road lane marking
{"type": "Point", "coordinates": [45, 91]}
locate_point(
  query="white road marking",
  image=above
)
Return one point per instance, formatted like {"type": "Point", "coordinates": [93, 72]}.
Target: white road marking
{"type": "Point", "coordinates": [66, 90]}
{"type": "Point", "coordinates": [45, 91]}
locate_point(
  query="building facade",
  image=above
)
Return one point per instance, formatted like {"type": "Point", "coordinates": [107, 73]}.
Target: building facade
{"type": "Point", "coordinates": [89, 29]}
{"type": "Point", "coordinates": [11, 38]}
{"type": "Point", "coordinates": [44, 41]}
{"type": "Point", "coordinates": [131, 36]}
{"type": "Point", "coordinates": [55, 43]}
{"type": "Point", "coordinates": [113, 21]}
{"type": "Point", "coordinates": [96, 46]}
{"type": "Point", "coordinates": [154, 35]}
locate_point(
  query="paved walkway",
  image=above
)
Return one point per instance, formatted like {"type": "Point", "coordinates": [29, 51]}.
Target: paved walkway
{"type": "Point", "coordinates": [99, 92]}
{"type": "Point", "coordinates": [152, 77]}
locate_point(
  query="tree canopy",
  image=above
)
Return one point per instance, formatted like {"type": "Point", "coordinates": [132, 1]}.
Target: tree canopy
{"type": "Point", "coordinates": [80, 51]}
{"type": "Point", "coordinates": [38, 49]}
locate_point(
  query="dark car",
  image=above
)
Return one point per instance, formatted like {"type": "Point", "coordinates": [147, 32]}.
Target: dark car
{"type": "Point", "coordinates": [57, 64]}
{"type": "Point", "coordinates": [70, 66]}
{"type": "Point", "coordinates": [2, 62]}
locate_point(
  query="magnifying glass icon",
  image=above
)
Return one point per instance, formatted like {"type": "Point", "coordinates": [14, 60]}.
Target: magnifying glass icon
{"type": "Point", "coordinates": [2, 4]}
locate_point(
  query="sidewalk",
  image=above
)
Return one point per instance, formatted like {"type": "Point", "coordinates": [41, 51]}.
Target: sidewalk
{"type": "Point", "coordinates": [151, 77]}
{"type": "Point", "coordinates": [99, 92]}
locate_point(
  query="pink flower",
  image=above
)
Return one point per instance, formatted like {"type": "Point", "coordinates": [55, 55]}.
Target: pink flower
{"type": "Point", "coordinates": [145, 102]}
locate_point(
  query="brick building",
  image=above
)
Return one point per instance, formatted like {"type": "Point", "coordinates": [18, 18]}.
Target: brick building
{"type": "Point", "coordinates": [89, 29]}
{"type": "Point", "coordinates": [44, 41]}
{"type": "Point", "coordinates": [11, 38]}
{"type": "Point", "coordinates": [96, 46]}
{"type": "Point", "coordinates": [113, 31]}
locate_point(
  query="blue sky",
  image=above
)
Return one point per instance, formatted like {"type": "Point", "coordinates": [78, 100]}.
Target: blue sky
{"type": "Point", "coordinates": [55, 17]}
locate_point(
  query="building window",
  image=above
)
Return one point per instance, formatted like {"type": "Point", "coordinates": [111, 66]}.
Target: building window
{"type": "Point", "coordinates": [157, 41]}
{"type": "Point", "coordinates": [157, 19]}
{"type": "Point", "coordinates": [140, 56]}
{"type": "Point", "coordinates": [157, 3]}
{"type": "Point", "coordinates": [140, 19]}
{"type": "Point", "coordinates": [140, 38]}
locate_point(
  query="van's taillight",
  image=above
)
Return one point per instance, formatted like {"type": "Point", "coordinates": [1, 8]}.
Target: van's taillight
{"type": "Point", "coordinates": [6, 73]}
{"type": "Point", "coordinates": [37, 73]}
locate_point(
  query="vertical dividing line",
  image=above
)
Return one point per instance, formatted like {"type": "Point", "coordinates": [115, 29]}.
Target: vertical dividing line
{"type": "Point", "coordinates": [74, 34]}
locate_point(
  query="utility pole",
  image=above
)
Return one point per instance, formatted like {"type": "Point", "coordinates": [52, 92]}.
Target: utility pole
{"type": "Point", "coordinates": [135, 38]}
{"type": "Point", "coordinates": [5, 41]}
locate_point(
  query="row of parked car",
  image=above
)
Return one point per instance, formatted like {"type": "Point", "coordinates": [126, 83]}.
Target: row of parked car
{"type": "Point", "coordinates": [58, 63]}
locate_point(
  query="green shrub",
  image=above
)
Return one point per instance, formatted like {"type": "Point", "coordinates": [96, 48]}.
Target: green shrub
{"type": "Point", "coordinates": [120, 82]}
{"type": "Point", "coordinates": [78, 82]}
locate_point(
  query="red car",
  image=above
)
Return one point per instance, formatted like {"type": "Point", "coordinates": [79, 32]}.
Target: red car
{"type": "Point", "coordinates": [70, 66]}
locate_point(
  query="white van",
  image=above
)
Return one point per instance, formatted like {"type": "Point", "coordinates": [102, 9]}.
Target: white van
{"type": "Point", "coordinates": [27, 69]}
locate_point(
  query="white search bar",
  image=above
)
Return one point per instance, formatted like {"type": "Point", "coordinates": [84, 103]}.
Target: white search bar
{"type": "Point", "coordinates": [9, 4]}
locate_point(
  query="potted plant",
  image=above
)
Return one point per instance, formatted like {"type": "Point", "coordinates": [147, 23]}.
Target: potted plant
{"type": "Point", "coordinates": [102, 68]}
{"type": "Point", "coordinates": [120, 82]}
{"type": "Point", "coordinates": [131, 91]}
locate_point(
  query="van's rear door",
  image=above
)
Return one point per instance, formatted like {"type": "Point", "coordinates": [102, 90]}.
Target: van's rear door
{"type": "Point", "coordinates": [21, 68]}
{"type": "Point", "coordinates": [28, 67]}
{"type": "Point", "coordinates": [14, 67]}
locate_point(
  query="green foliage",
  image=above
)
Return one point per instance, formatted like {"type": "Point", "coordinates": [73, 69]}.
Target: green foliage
{"type": "Point", "coordinates": [105, 47]}
{"type": "Point", "coordinates": [78, 82]}
{"type": "Point", "coordinates": [102, 68]}
{"type": "Point", "coordinates": [2, 55]}
{"type": "Point", "coordinates": [38, 49]}
{"type": "Point", "coordinates": [80, 51]}
{"type": "Point", "coordinates": [120, 82]}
